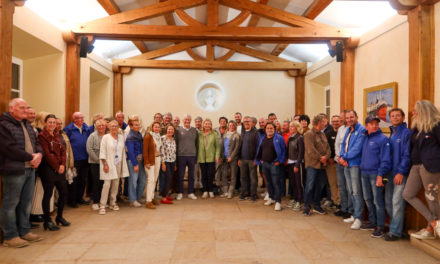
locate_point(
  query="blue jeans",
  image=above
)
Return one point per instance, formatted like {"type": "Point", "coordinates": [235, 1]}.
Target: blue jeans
{"type": "Point", "coordinates": [315, 181]}
{"type": "Point", "coordinates": [136, 181]}
{"type": "Point", "coordinates": [182, 163]}
{"type": "Point", "coordinates": [374, 198]}
{"type": "Point", "coordinates": [18, 191]}
{"type": "Point", "coordinates": [274, 178]}
{"type": "Point", "coordinates": [395, 205]}
{"type": "Point", "coordinates": [345, 197]}
{"type": "Point", "coordinates": [354, 188]}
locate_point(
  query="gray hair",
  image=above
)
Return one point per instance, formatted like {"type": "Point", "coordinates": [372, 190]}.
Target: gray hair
{"type": "Point", "coordinates": [14, 101]}
{"type": "Point", "coordinates": [187, 115]}
{"type": "Point", "coordinates": [118, 113]}
{"type": "Point", "coordinates": [168, 113]}
{"type": "Point", "coordinates": [254, 120]}
{"type": "Point", "coordinates": [317, 119]}
{"type": "Point", "coordinates": [199, 118]}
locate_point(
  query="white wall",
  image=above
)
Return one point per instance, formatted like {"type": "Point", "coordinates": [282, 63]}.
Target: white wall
{"type": "Point", "coordinates": [101, 96]}
{"type": "Point", "coordinates": [255, 93]}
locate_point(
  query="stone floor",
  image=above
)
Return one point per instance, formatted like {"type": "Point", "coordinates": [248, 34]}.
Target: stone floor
{"type": "Point", "coordinates": [210, 231]}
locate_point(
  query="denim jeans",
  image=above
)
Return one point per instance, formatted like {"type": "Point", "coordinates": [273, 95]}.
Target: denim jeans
{"type": "Point", "coordinates": [354, 188]}
{"type": "Point", "coordinates": [315, 181]}
{"type": "Point", "coordinates": [345, 197]}
{"type": "Point", "coordinates": [274, 178]}
{"type": "Point", "coordinates": [374, 198]}
{"type": "Point", "coordinates": [136, 181]}
{"type": "Point", "coordinates": [395, 205]}
{"type": "Point", "coordinates": [182, 163]}
{"type": "Point", "coordinates": [17, 191]}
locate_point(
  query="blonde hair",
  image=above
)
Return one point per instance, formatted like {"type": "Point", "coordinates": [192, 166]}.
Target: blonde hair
{"type": "Point", "coordinates": [97, 117]}
{"type": "Point", "coordinates": [39, 119]}
{"type": "Point", "coordinates": [203, 124]}
{"type": "Point", "coordinates": [428, 116]}
{"type": "Point", "coordinates": [100, 121]}
{"type": "Point", "coordinates": [297, 125]}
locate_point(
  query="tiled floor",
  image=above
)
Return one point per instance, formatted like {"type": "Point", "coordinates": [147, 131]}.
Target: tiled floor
{"type": "Point", "coordinates": [210, 231]}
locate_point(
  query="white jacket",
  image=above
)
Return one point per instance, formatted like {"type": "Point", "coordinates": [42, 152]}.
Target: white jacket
{"type": "Point", "coordinates": [107, 152]}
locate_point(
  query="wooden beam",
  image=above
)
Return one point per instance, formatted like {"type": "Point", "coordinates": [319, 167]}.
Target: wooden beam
{"type": "Point", "coordinates": [204, 65]}
{"type": "Point", "coordinates": [191, 33]}
{"type": "Point", "coordinates": [212, 13]}
{"type": "Point", "coordinates": [6, 23]}
{"type": "Point", "coordinates": [168, 50]}
{"type": "Point", "coordinates": [347, 79]}
{"type": "Point", "coordinates": [169, 18]}
{"type": "Point", "coordinates": [253, 21]}
{"type": "Point", "coordinates": [238, 20]}
{"type": "Point", "coordinates": [117, 92]}
{"type": "Point", "coordinates": [210, 51]}
{"type": "Point", "coordinates": [300, 94]}
{"type": "Point", "coordinates": [187, 19]}
{"type": "Point", "coordinates": [227, 56]}
{"type": "Point", "coordinates": [141, 46]}
{"type": "Point", "coordinates": [72, 80]}
{"type": "Point", "coordinates": [249, 51]}
{"type": "Point", "coordinates": [147, 12]}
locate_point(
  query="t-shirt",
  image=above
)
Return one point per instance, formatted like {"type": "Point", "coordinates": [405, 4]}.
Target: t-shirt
{"type": "Point", "coordinates": [268, 153]}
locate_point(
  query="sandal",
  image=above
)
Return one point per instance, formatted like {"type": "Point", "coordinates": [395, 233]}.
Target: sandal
{"type": "Point", "coordinates": [115, 207]}
{"type": "Point", "coordinates": [101, 211]}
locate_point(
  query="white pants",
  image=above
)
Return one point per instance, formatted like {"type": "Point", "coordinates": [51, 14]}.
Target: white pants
{"type": "Point", "coordinates": [112, 187]}
{"type": "Point", "coordinates": [152, 175]}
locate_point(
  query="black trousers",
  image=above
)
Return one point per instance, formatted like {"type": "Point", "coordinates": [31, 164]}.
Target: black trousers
{"type": "Point", "coordinates": [76, 189]}
{"type": "Point", "coordinates": [168, 177]}
{"type": "Point", "coordinates": [96, 182]}
{"type": "Point", "coordinates": [49, 180]}
{"type": "Point", "coordinates": [208, 173]}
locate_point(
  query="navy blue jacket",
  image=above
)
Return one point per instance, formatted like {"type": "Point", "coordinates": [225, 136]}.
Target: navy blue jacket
{"type": "Point", "coordinates": [353, 156]}
{"type": "Point", "coordinates": [400, 149]}
{"type": "Point", "coordinates": [134, 143]}
{"type": "Point", "coordinates": [429, 148]}
{"type": "Point", "coordinates": [280, 148]}
{"type": "Point", "coordinates": [376, 154]}
{"type": "Point", "coordinates": [78, 140]}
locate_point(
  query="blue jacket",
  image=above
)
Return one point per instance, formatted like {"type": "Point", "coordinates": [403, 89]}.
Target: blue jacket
{"type": "Point", "coordinates": [280, 148]}
{"type": "Point", "coordinates": [78, 140]}
{"type": "Point", "coordinates": [353, 156]}
{"type": "Point", "coordinates": [400, 149]}
{"type": "Point", "coordinates": [134, 144]}
{"type": "Point", "coordinates": [376, 154]}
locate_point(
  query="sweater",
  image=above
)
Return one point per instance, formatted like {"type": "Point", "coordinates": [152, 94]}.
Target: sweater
{"type": "Point", "coordinates": [107, 152]}
{"type": "Point", "coordinates": [186, 140]}
{"type": "Point", "coordinates": [134, 142]}
{"type": "Point", "coordinates": [149, 150]}
{"type": "Point", "coordinates": [93, 145]}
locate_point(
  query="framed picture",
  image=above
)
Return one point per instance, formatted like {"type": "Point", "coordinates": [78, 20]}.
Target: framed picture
{"type": "Point", "coordinates": [379, 100]}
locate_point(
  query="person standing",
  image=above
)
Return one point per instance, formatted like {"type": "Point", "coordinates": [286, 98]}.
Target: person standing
{"type": "Point", "coordinates": [197, 173]}
{"type": "Point", "coordinates": [221, 132]}
{"type": "Point", "coordinates": [152, 145]}
{"type": "Point", "coordinates": [168, 151]}
{"type": "Point", "coordinates": [332, 178]}
{"type": "Point", "coordinates": [295, 164]}
{"type": "Point", "coordinates": [20, 155]}
{"type": "Point", "coordinates": [120, 117]}
{"type": "Point", "coordinates": [229, 154]}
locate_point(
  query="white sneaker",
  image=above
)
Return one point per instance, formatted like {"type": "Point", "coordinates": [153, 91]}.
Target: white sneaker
{"type": "Point", "coordinates": [95, 207]}
{"type": "Point", "coordinates": [356, 224]}
{"type": "Point", "coordinates": [230, 195]}
{"type": "Point", "coordinates": [269, 202]}
{"type": "Point", "coordinates": [211, 195]}
{"type": "Point", "coordinates": [349, 220]}
{"type": "Point", "coordinates": [136, 204]}
{"type": "Point", "coordinates": [192, 196]}
{"type": "Point", "coordinates": [266, 197]}
{"type": "Point", "coordinates": [277, 206]}
{"type": "Point", "coordinates": [205, 195]}
{"type": "Point", "coordinates": [423, 234]}
{"type": "Point", "coordinates": [179, 197]}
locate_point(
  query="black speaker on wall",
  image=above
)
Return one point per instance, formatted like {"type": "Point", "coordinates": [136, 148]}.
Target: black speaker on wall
{"type": "Point", "coordinates": [83, 47]}
{"type": "Point", "coordinates": [339, 51]}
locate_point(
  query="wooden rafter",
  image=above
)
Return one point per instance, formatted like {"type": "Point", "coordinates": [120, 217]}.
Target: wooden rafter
{"type": "Point", "coordinates": [212, 13]}
{"type": "Point", "coordinates": [168, 50]}
{"type": "Point", "coordinates": [238, 20]}
{"type": "Point", "coordinates": [249, 51]}
{"type": "Point", "coordinates": [187, 19]}
{"type": "Point", "coordinates": [254, 19]}
{"type": "Point", "coordinates": [169, 18]}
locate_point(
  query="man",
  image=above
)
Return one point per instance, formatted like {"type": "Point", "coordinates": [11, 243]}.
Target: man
{"type": "Point", "coordinates": [246, 159]}
{"type": "Point", "coordinates": [20, 155]}
{"type": "Point", "coordinates": [401, 163]}
{"type": "Point", "coordinates": [176, 122]}
{"type": "Point", "coordinates": [120, 117]}
{"type": "Point", "coordinates": [317, 153]}
{"type": "Point", "coordinates": [262, 123]}
{"type": "Point", "coordinates": [285, 130]}
{"type": "Point", "coordinates": [375, 164]}
{"type": "Point", "coordinates": [186, 141]}
{"type": "Point", "coordinates": [331, 167]}
{"type": "Point", "coordinates": [30, 115]}
{"type": "Point", "coordinates": [156, 118]}
{"type": "Point", "coordinates": [296, 118]}
{"type": "Point", "coordinates": [221, 132]}
{"type": "Point", "coordinates": [197, 173]}
{"type": "Point", "coordinates": [350, 158]}
{"type": "Point", "coordinates": [237, 117]}
{"type": "Point", "coordinates": [78, 133]}
{"type": "Point", "coordinates": [271, 117]}
{"type": "Point", "coordinates": [167, 119]}
{"type": "Point", "coordinates": [254, 122]}
{"type": "Point", "coordinates": [304, 120]}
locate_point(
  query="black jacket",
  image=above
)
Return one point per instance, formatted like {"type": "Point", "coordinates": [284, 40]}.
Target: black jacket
{"type": "Point", "coordinates": [12, 145]}
{"type": "Point", "coordinates": [428, 147]}
{"type": "Point", "coordinates": [253, 143]}
{"type": "Point", "coordinates": [299, 155]}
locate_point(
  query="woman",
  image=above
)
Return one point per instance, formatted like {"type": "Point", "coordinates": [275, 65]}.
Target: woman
{"type": "Point", "coordinates": [135, 160]}
{"type": "Point", "coordinates": [151, 153]}
{"type": "Point", "coordinates": [271, 153]}
{"type": "Point", "coordinates": [93, 148]}
{"type": "Point", "coordinates": [52, 172]}
{"type": "Point", "coordinates": [168, 152]}
{"type": "Point", "coordinates": [64, 139]}
{"type": "Point", "coordinates": [295, 163]}
{"type": "Point", "coordinates": [277, 127]}
{"type": "Point", "coordinates": [207, 156]}
{"type": "Point", "coordinates": [113, 166]}
{"type": "Point", "coordinates": [229, 152]}
{"type": "Point", "coordinates": [425, 170]}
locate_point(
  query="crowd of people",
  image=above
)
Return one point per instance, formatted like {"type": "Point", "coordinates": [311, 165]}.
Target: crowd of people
{"type": "Point", "coordinates": [338, 164]}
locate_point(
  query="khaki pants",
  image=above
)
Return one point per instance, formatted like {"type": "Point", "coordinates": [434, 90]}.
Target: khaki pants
{"type": "Point", "coordinates": [152, 175]}
{"type": "Point", "coordinates": [112, 187]}
{"type": "Point", "coordinates": [333, 182]}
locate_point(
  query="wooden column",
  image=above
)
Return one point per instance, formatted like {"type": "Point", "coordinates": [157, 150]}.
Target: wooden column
{"type": "Point", "coordinates": [347, 79]}
{"type": "Point", "coordinates": [118, 88]}
{"type": "Point", "coordinates": [6, 13]}
{"type": "Point", "coordinates": [72, 76]}
{"type": "Point", "coordinates": [300, 89]}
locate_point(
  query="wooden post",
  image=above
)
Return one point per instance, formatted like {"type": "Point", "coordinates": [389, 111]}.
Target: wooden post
{"type": "Point", "coordinates": [117, 92]}
{"type": "Point", "coordinates": [300, 89]}
{"type": "Point", "coordinates": [347, 79]}
{"type": "Point", "coordinates": [6, 13]}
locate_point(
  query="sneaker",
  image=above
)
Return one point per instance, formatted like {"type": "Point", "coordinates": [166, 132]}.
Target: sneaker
{"type": "Point", "coordinates": [319, 210]}
{"type": "Point", "coordinates": [192, 196]}
{"type": "Point", "coordinates": [436, 227]}
{"type": "Point", "coordinates": [166, 201]}
{"type": "Point", "coordinates": [339, 213]}
{"type": "Point", "coordinates": [368, 226]}
{"type": "Point", "coordinates": [356, 224]}
{"type": "Point", "coordinates": [142, 201]}
{"type": "Point", "coordinates": [306, 211]}
{"type": "Point", "coordinates": [95, 207]}
{"type": "Point", "coordinates": [349, 220]}
{"type": "Point", "coordinates": [15, 242]}
{"type": "Point", "coordinates": [297, 207]}
{"type": "Point", "coordinates": [269, 202]}
{"type": "Point", "coordinates": [229, 195]}
{"type": "Point", "coordinates": [179, 197]}
{"type": "Point", "coordinates": [30, 237]}
{"type": "Point", "coordinates": [211, 195]}
{"type": "Point", "coordinates": [150, 205]}
{"type": "Point", "coordinates": [102, 211]}
{"type": "Point", "coordinates": [423, 234]}
{"type": "Point", "coordinates": [266, 196]}
{"type": "Point", "coordinates": [169, 198]}
{"type": "Point", "coordinates": [277, 206]}
{"type": "Point", "coordinates": [114, 207]}
{"type": "Point", "coordinates": [242, 197]}
{"type": "Point", "coordinates": [205, 195]}
{"type": "Point", "coordinates": [253, 198]}
{"type": "Point", "coordinates": [136, 204]}
{"type": "Point", "coordinates": [291, 203]}
{"type": "Point", "coordinates": [378, 233]}
{"type": "Point", "coordinates": [391, 237]}
{"type": "Point", "coordinates": [346, 215]}
{"type": "Point", "coordinates": [327, 204]}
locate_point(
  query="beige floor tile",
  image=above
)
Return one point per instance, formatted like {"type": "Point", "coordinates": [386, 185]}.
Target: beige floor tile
{"type": "Point", "coordinates": [111, 252]}
{"type": "Point", "coordinates": [318, 250]}
{"type": "Point", "coordinates": [233, 235]}
{"type": "Point", "coordinates": [151, 250]}
{"type": "Point", "coordinates": [236, 250]}
{"type": "Point", "coordinates": [194, 250]}
{"type": "Point", "coordinates": [271, 250]}
{"type": "Point", "coordinates": [196, 225]}
{"type": "Point", "coordinates": [195, 236]}
{"type": "Point", "coordinates": [358, 249]}
{"type": "Point", "coordinates": [65, 252]}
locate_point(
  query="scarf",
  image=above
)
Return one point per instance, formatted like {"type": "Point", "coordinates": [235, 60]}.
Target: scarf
{"type": "Point", "coordinates": [157, 140]}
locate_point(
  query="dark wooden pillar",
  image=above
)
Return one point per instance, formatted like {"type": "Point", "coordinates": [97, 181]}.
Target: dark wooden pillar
{"type": "Point", "coordinates": [347, 79]}
{"type": "Point", "coordinates": [300, 95]}
{"type": "Point", "coordinates": [72, 76]}
{"type": "Point", "coordinates": [118, 73]}
{"type": "Point", "coordinates": [6, 14]}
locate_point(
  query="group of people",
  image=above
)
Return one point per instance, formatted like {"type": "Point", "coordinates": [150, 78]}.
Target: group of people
{"type": "Point", "coordinates": [338, 164]}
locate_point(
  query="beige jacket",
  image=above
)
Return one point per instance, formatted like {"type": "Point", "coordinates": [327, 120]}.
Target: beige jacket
{"type": "Point", "coordinates": [107, 152]}
{"type": "Point", "coordinates": [316, 146]}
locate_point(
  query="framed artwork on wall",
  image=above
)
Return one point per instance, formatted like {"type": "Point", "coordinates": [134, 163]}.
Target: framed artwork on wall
{"type": "Point", "coordinates": [379, 100]}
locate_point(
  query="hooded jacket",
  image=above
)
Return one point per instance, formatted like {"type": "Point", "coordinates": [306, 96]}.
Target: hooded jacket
{"type": "Point", "coordinates": [78, 140]}
{"type": "Point", "coordinates": [400, 149]}
{"type": "Point", "coordinates": [354, 153]}
{"type": "Point", "coordinates": [376, 154]}
{"type": "Point", "coordinates": [279, 145]}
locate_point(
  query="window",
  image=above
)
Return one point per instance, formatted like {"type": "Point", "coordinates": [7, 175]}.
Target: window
{"type": "Point", "coordinates": [327, 101]}
{"type": "Point", "coordinates": [17, 73]}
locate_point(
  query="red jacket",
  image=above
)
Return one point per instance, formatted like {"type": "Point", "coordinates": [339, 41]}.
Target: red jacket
{"type": "Point", "coordinates": [54, 152]}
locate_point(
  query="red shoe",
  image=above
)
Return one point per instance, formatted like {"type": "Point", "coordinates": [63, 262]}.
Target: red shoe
{"type": "Point", "coordinates": [169, 198]}
{"type": "Point", "coordinates": [165, 201]}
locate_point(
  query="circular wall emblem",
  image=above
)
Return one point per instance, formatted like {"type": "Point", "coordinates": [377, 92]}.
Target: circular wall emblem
{"type": "Point", "coordinates": [210, 96]}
